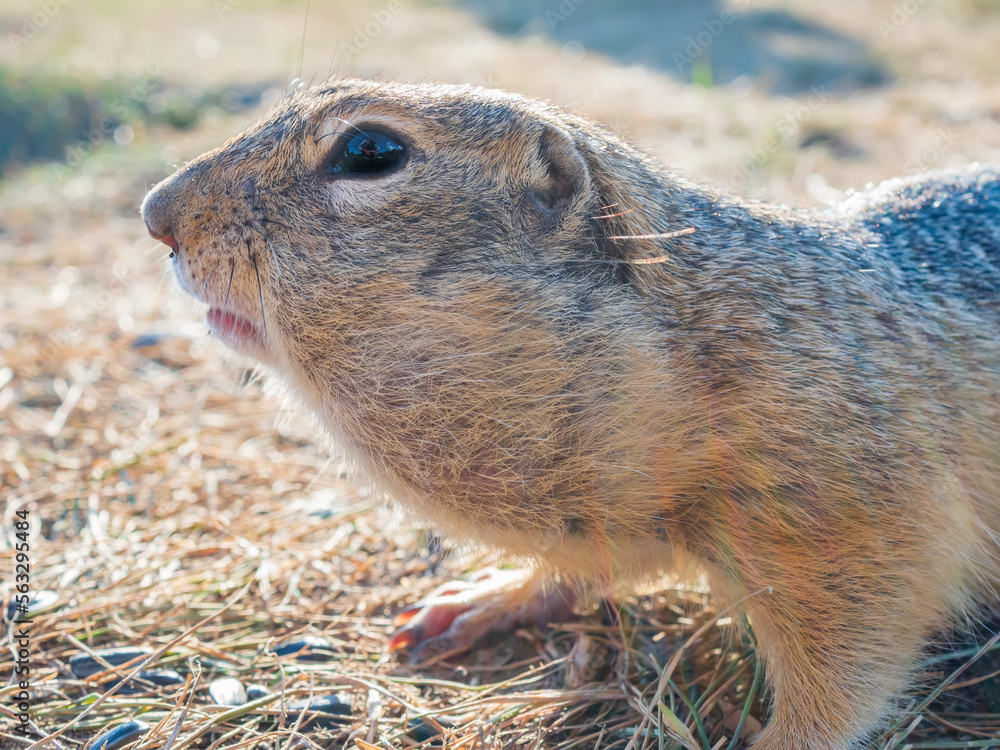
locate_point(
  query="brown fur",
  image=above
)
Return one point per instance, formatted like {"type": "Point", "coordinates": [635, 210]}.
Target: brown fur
{"type": "Point", "coordinates": [794, 399]}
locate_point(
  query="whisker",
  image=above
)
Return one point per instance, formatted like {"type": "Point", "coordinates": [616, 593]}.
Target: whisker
{"type": "Point", "coordinates": [260, 292]}
{"type": "Point", "coordinates": [612, 216]}
{"type": "Point", "coordinates": [648, 261]}
{"type": "Point", "coordinates": [204, 284]}
{"type": "Point", "coordinates": [232, 270]}
{"type": "Point", "coordinates": [302, 48]}
{"type": "Point", "coordinates": [258, 227]}
{"type": "Point", "coordinates": [655, 236]}
{"type": "Point", "coordinates": [347, 123]}
{"type": "Point", "coordinates": [270, 246]}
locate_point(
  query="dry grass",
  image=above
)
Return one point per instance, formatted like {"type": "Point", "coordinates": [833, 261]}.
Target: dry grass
{"type": "Point", "coordinates": [176, 506]}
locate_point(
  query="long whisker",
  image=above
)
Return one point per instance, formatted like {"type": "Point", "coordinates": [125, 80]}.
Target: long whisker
{"type": "Point", "coordinates": [302, 48]}
{"type": "Point", "coordinates": [204, 284]}
{"type": "Point", "coordinates": [615, 215]}
{"type": "Point", "coordinates": [260, 292]}
{"type": "Point", "coordinates": [270, 246]}
{"type": "Point", "coordinates": [259, 226]}
{"type": "Point", "coordinates": [232, 270]}
{"type": "Point", "coordinates": [655, 236]}
{"type": "Point", "coordinates": [347, 123]}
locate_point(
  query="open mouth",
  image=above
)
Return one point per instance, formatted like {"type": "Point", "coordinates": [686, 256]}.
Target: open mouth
{"type": "Point", "coordinates": [236, 331]}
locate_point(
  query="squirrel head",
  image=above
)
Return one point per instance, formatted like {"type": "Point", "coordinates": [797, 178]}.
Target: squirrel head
{"type": "Point", "coordinates": [434, 268]}
{"type": "Point", "coordinates": [352, 183]}
{"type": "Point", "coordinates": [442, 272]}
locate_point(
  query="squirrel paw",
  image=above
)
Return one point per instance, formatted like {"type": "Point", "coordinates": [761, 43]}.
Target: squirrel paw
{"type": "Point", "coordinates": [457, 614]}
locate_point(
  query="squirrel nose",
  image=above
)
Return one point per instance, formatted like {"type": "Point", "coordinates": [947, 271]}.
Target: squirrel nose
{"type": "Point", "coordinates": [157, 213]}
{"type": "Point", "coordinates": [166, 239]}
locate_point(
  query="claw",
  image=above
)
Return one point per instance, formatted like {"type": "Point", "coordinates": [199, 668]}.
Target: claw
{"type": "Point", "coordinates": [457, 614]}
{"type": "Point", "coordinates": [425, 620]}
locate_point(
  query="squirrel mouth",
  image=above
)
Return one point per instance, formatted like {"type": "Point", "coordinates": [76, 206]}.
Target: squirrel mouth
{"type": "Point", "coordinates": [238, 332]}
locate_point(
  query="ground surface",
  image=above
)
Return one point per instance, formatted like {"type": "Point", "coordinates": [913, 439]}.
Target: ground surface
{"type": "Point", "coordinates": [160, 480]}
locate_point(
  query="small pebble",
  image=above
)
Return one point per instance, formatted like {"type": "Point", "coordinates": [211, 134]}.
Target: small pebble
{"type": "Point", "coordinates": [422, 730]}
{"type": "Point", "coordinates": [83, 665]}
{"type": "Point", "coordinates": [306, 648]}
{"type": "Point", "coordinates": [120, 736]}
{"type": "Point", "coordinates": [147, 681]}
{"type": "Point", "coordinates": [330, 711]}
{"type": "Point", "coordinates": [256, 692]}
{"type": "Point", "coordinates": [227, 691]}
{"type": "Point", "coordinates": [148, 339]}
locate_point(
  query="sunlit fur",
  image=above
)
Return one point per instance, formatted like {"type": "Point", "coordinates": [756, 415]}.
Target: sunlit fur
{"type": "Point", "coordinates": [805, 400]}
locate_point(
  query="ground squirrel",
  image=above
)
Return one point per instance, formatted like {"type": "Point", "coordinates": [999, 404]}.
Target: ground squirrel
{"type": "Point", "coordinates": [530, 333]}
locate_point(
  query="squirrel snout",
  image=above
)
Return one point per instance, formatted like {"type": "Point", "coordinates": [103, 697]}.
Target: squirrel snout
{"type": "Point", "coordinates": [157, 213]}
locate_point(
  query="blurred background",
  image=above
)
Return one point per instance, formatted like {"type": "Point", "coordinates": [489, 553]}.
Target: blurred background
{"type": "Point", "coordinates": [156, 470]}
{"type": "Point", "coordinates": [774, 91]}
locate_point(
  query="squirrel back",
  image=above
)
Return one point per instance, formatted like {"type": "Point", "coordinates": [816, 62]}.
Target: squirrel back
{"type": "Point", "coordinates": [942, 230]}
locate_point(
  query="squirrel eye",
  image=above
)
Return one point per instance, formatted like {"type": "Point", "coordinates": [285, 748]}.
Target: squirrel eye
{"type": "Point", "coordinates": [368, 152]}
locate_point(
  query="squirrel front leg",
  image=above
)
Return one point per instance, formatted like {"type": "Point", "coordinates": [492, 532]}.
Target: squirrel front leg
{"type": "Point", "coordinates": [838, 650]}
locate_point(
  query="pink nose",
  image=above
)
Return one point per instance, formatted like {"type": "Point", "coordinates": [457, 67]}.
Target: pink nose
{"type": "Point", "coordinates": [166, 239]}
{"type": "Point", "coordinates": [158, 213]}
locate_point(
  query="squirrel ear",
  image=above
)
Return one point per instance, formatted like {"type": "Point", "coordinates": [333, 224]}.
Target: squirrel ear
{"type": "Point", "coordinates": [561, 173]}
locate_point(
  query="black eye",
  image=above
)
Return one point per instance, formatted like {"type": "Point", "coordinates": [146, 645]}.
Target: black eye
{"type": "Point", "coordinates": [368, 152]}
